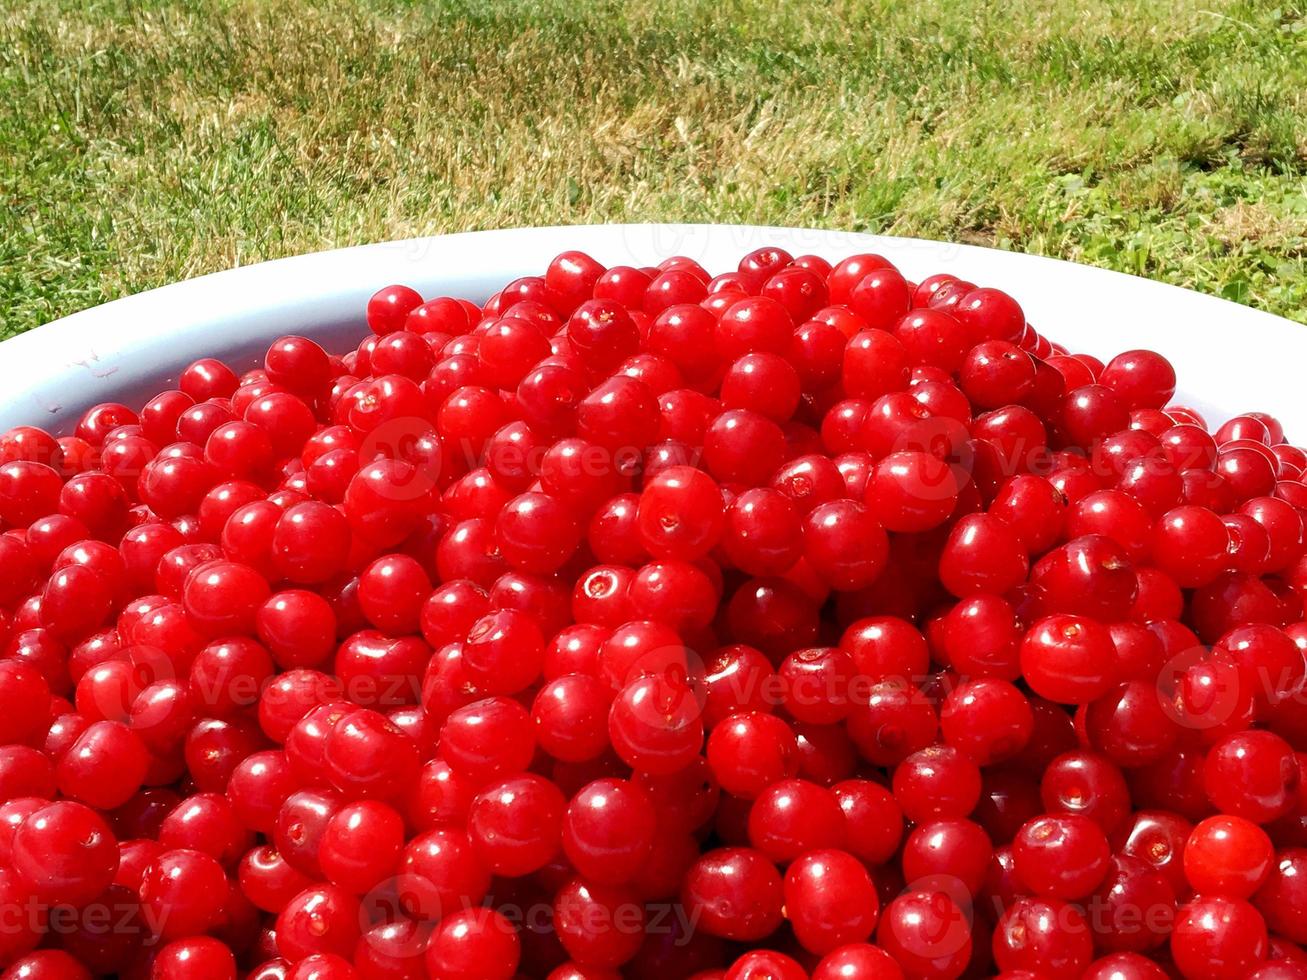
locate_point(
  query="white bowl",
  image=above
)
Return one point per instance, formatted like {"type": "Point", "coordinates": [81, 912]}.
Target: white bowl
{"type": "Point", "coordinates": [1229, 358]}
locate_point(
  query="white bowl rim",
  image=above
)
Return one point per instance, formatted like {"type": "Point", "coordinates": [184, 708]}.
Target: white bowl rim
{"type": "Point", "coordinates": [1238, 358]}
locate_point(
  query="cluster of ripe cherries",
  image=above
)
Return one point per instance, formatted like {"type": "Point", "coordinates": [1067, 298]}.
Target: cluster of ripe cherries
{"type": "Point", "coordinates": [801, 622]}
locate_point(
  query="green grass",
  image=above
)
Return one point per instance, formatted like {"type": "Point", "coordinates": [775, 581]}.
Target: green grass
{"type": "Point", "coordinates": [143, 142]}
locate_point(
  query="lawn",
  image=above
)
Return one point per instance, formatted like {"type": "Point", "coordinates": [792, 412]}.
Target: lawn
{"type": "Point", "coordinates": [143, 142]}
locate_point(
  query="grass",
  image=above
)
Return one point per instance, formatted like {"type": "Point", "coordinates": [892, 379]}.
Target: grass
{"type": "Point", "coordinates": [144, 141]}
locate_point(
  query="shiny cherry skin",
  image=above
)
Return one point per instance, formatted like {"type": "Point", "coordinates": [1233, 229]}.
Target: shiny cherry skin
{"type": "Point", "coordinates": [736, 892]}
{"type": "Point", "coordinates": [926, 933]}
{"type": "Point", "coordinates": [832, 900]}
{"type": "Point", "coordinates": [1045, 936]}
{"type": "Point", "coordinates": [955, 850]}
{"type": "Point", "coordinates": [937, 782]}
{"type": "Point", "coordinates": [65, 852]}
{"type": "Point", "coordinates": [1218, 937]}
{"type": "Point", "coordinates": [1252, 774]}
{"type": "Point", "coordinates": [609, 829]}
{"type": "Point", "coordinates": [194, 957]}
{"type": "Point", "coordinates": [750, 750]}
{"type": "Point", "coordinates": [598, 924]}
{"type": "Point", "coordinates": [186, 891]}
{"type": "Point", "coordinates": [516, 824]}
{"type": "Point", "coordinates": [1062, 857]}
{"type": "Point", "coordinates": [1228, 856]}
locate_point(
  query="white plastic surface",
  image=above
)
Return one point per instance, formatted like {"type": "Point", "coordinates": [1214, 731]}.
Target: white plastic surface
{"type": "Point", "coordinates": [1229, 358]}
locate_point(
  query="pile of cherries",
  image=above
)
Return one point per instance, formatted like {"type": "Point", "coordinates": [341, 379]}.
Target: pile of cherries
{"type": "Point", "coordinates": [800, 622]}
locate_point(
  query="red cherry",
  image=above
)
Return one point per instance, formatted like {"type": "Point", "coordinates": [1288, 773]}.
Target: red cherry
{"type": "Point", "coordinates": [1218, 936]}
{"type": "Point", "coordinates": [1044, 936]}
{"type": "Point", "coordinates": [64, 852]}
{"type": "Point", "coordinates": [833, 900]}
{"type": "Point", "coordinates": [185, 891]}
{"type": "Point", "coordinates": [1062, 857]}
{"type": "Point", "coordinates": [1252, 774]}
{"type": "Point", "coordinates": [926, 933]}
{"type": "Point", "coordinates": [736, 893]}
{"type": "Point", "coordinates": [388, 309]}
{"type": "Point", "coordinates": [982, 554]}
{"type": "Point", "coordinates": [1227, 855]}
